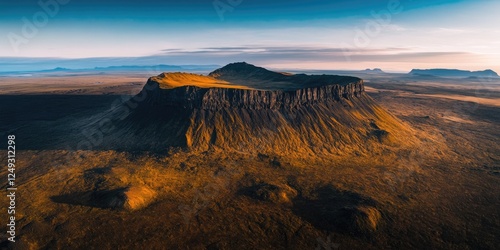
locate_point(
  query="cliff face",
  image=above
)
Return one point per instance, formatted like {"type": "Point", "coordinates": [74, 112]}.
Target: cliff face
{"type": "Point", "coordinates": [274, 113]}
{"type": "Point", "coordinates": [192, 97]}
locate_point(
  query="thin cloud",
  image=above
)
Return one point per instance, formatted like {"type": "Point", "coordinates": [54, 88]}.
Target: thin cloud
{"type": "Point", "coordinates": [449, 31]}
{"type": "Point", "coordinates": [291, 49]}
{"type": "Point", "coordinates": [256, 54]}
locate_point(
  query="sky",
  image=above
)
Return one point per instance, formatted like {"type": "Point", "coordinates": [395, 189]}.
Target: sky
{"type": "Point", "coordinates": [395, 35]}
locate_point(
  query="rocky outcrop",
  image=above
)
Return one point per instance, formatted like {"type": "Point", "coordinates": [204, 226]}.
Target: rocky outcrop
{"type": "Point", "coordinates": [193, 97]}
{"type": "Point", "coordinates": [261, 89]}
{"type": "Point", "coordinates": [273, 113]}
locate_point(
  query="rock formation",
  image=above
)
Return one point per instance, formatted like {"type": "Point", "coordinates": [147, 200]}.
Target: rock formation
{"type": "Point", "coordinates": [246, 108]}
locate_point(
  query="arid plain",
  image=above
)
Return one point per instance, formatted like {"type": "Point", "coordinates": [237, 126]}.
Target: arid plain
{"type": "Point", "coordinates": [438, 189]}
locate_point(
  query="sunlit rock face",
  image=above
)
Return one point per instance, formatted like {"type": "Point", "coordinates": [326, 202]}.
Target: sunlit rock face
{"type": "Point", "coordinates": [246, 108]}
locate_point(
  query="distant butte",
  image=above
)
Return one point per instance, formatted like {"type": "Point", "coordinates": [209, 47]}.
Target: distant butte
{"type": "Point", "coordinates": [454, 73]}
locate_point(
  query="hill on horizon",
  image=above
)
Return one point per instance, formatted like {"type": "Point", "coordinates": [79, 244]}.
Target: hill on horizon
{"type": "Point", "coordinates": [454, 73]}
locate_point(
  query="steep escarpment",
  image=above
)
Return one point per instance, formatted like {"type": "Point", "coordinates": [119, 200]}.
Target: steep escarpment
{"type": "Point", "coordinates": [269, 112]}
{"type": "Point", "coordinates": [218, 98]}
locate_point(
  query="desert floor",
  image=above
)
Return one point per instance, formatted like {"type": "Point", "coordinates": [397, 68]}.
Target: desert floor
{"type": "Point", "coordinates": [441, 195]}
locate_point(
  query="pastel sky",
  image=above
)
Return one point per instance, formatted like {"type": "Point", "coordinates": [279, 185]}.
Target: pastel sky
{"type": "Point", "coordinates": [316, 34]}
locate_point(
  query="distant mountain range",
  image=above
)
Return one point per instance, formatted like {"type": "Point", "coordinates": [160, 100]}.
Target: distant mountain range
{"type": "Point", "coordinates": [454, 73]}
{"type": "Point", "coordinates": [154, 69]}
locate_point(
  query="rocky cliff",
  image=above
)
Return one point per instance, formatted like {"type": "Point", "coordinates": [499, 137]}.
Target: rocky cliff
{"type": "Point", "coordinates": [218, 98]}
{"type": "Point", "coordinates": [269, 112]}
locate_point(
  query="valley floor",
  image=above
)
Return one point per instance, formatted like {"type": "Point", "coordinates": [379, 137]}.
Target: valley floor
{"type": "Point", "coordinates": [440, 195]}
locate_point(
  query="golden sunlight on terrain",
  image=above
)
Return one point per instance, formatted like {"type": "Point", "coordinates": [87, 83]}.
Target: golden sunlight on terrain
{"type": "Point", "coordinates": [403, 165]}
{"type": "Point", "coordinates": [464, 98]}
{"type": "Point", "coordinates": [175, 80]}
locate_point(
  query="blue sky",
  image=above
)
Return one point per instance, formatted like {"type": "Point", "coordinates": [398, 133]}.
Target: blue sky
{"type": "Point", "coordinates": [317, 34]}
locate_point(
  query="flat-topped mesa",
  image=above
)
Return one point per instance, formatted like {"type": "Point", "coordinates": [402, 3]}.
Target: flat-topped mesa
{"type": "Point", "coordinates": [241, 85]}
{"type": "Point", "coordinates": [243, 108]}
